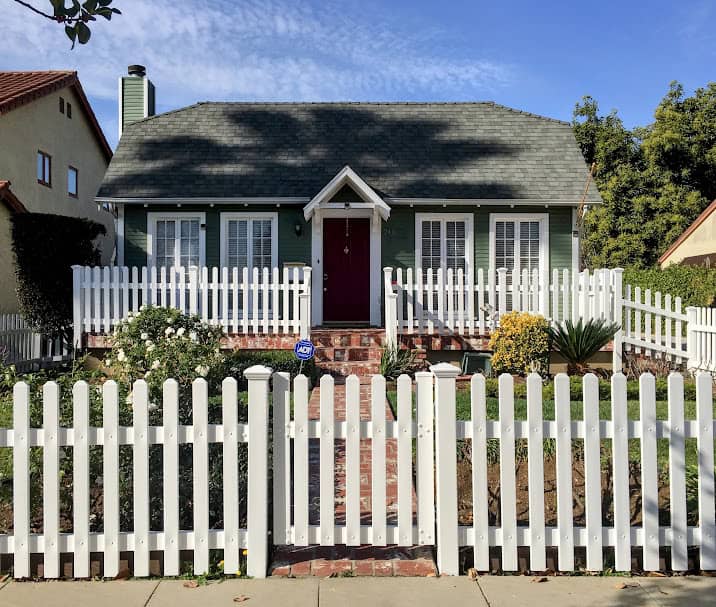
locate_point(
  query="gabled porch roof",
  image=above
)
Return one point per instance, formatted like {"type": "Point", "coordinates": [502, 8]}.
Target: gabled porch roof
{"type": "Point", "coordinates": [347, 177]}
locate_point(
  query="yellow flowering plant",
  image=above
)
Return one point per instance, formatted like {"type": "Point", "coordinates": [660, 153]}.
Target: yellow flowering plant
{"type": "Point", "coordinates": [520, 344]}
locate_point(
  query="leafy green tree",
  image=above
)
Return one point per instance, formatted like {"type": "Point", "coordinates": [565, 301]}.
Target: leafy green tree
{"type": "Point", "coordinates": [75, 15]}
{"type": "Point", "coordinates": [654, 180]}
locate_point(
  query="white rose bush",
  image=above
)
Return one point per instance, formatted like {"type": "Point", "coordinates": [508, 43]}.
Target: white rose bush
{"type": "Point", "coordinates": [156, 344]}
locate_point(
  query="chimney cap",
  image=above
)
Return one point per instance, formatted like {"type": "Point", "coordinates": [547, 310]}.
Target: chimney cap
{"type": "Point", "coordinates": [137, 70]}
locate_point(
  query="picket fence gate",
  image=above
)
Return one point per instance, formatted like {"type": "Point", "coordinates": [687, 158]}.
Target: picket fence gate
{"type": "Point", "coordinates": [240, 300]}
{"type": "Point", "coordinates": [430, 519]}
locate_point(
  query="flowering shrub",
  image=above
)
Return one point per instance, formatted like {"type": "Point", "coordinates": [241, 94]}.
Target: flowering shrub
{"type": "Point", "coordinates": [161, 343]}
{"type": "Point", "coordinates": [520, 344]}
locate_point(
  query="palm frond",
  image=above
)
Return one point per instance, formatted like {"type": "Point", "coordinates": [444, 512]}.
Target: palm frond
{"type": "Point", "coordinates": [577, 343]}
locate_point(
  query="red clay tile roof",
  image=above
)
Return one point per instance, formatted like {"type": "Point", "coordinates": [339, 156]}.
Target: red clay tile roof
{"type": "Point", "coordinates": [19, 88]}
{"type": "Point", "coordinates": [7, 197]}
{"type": "Point", "coordinates": [688, 231]}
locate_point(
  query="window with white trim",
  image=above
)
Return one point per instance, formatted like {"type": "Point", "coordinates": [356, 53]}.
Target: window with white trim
{"type": "Point", "coordinates": [443, 241]}
{"type": "Point", "coordinates": [249, 241]}
{"type": "Point", "coordinates": [519, 243]}
{"type": "Point", "coordinates": [176, 241]}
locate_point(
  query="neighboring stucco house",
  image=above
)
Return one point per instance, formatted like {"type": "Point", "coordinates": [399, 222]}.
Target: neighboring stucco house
{"type": "Point", "coordinates": [346, 188]}
{"type": "Point", "coordinates": [9, 206]}
{"type": "Point", "coordinates": [53, 150]}
{"type": "Point", "coordinates": [697, 245]}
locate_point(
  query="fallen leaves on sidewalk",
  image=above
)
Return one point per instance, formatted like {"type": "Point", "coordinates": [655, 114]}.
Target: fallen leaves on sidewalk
{"type": "Point", "coordinates": [539, 580]}
{"type": "Point", "coordinates": [623, 585]}
{"type": "Point", "coordinates": [123, 574]}
{"type": "Point", "coordinates": [472, 573]}
{"type": "Point", "coordinates": [242, 598]}
{"type": "Point", "coordinates": [191, 584]}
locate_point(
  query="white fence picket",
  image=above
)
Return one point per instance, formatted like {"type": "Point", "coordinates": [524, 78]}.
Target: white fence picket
{"type": "Point", "coordinates": [535, 460]}
{"type": "Point", "coordinates": [677, 474]}
{"type": "Point", "coordinates": [565, 521]}
{"type": "Point", "coordinates": [327, 462]}
{"type": "Point", "coordinates": [405, 461]}
{"type": "Point", "coordinates": [110, 477]}
{"type": "Point", "coordinates": [80, 479]}
{"type": "Point", "coordinates": [508, 495]}
{"type": "Point", "coordinates": [620, 464]}
{"type": "Point", "coordinates": [170, 411]}
{"type": "Point", "coordinates": [300, 458]}
{"type": "Point", "coordinates": [649, 472]}
{"type": "Point", "coordinates": [200, 475]}
{"type": "Point", "coordinates": [353, 490]}
{"type": "Point", "coordinates": [50, 475]}
{"type": "Point", "coordinates": [140, 407]}
{"type": "Point", "coordinates": [378, 497]}
{"type": "Point", "coordinates": [592, 473]}
{"type": "Point", "coordinates": [705, 423]}
{"type": "Point", "coordinates": [425, 457]}
{"type": "Point", "coordinates": [230, 422]}
{"type": "Point", "coordinates": [21, 480]}
{"type": "Point", "coordinates": [480, 521]}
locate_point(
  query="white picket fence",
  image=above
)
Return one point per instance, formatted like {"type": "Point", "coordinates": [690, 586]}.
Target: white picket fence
{"type": "Point", "coordinates": [431, 519]}
{"type": "Point", "coordinates": [471, 304]}
{"type": "Point", "coordinates": [256, 300]}
{"type": "Point", "coordinates": [22, 347]}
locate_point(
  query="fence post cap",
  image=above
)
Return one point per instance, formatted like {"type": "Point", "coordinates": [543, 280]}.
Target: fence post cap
{"type": "Point", "coordinates": [387, 269]}
{"type": "Point", "coordinates": [257, 372]}
{"type": "Point", "coordinates": [445, 370]}
{"type": "Point", "coordinates": [618, 270]}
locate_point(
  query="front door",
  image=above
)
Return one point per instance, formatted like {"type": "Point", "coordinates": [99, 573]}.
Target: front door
{"type": "Point", "coordinates": [346, 270]}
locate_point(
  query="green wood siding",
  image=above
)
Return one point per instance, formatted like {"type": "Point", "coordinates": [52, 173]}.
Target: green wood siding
{"type": "Point", "coordinates": [398, 233]}
{"type": "Point", "coordinates": [398, 245]}
{"type": "Point", "coordinates": [291, 247]}
{"type": "Point", "coordinates": [132, 99]}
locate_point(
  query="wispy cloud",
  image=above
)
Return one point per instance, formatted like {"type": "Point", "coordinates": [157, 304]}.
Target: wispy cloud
{"type": "Point", "coordinates": [270, 49]}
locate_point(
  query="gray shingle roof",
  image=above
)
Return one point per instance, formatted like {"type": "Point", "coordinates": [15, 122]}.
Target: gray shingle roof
{"type": "Point", "coordinates": [403, 150]}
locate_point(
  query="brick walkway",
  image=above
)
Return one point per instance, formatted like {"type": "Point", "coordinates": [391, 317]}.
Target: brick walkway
{"type": "Point", "coordinates": [325, 561]}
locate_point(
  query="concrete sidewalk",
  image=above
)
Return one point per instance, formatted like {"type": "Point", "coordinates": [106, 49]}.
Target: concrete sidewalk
{"type": "Point", "coordinates": [493, 591]}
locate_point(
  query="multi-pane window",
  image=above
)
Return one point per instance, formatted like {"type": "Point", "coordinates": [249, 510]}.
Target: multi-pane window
{"type": "Point", "coordinates": [518, 244]}
{"type": "Point", "coordinates": [72, 181]}
{"type": "Point", "coordinates": [44, 169]}
{"type": "Point", "coordinates": [177, 242]}
{"type": "Point", "coordinates": [249, 242]}
{"type": "Point", "coordinates": [443, 243]}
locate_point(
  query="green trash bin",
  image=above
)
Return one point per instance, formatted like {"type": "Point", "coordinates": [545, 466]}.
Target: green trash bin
{"type": "Point", "coordinates": [476, 362]}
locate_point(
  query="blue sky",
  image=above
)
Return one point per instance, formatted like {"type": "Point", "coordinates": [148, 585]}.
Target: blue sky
{"type": "Point", "coordinates": [535, 56]}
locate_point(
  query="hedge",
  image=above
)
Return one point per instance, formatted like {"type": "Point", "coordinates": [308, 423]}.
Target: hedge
{"type": "Point", "coordinates": [46, 247]}
{"type": "Point", "coordinates": [694, 284]}
{"type": "Point", "coordinates": [277, 360]}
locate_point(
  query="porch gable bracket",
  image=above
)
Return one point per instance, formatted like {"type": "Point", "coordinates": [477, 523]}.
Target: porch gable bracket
{"type": "Point", "coordinates": [347, 176]}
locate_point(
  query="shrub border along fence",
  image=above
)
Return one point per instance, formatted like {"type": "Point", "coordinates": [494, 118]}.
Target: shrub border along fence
{"type": "Point", "coordinates": [436, 433]}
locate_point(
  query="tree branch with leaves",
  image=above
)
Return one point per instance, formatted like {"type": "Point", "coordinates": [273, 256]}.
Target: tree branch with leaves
{"type": "Point", "coordinates": [75, 15]}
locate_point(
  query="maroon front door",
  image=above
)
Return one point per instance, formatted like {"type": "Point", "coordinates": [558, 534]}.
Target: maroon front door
{"type": "Point", "coordinates": [346, 270]}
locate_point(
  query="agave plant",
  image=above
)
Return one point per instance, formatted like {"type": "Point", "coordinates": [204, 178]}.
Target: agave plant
{"type": "Point", "coordinates": [395, 361]}
{"type": "Point", "coordinates": [578, 343]}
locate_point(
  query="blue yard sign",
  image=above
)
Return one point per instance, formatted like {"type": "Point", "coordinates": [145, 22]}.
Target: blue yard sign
{"type": "Point", "coordinates": [304, 350]}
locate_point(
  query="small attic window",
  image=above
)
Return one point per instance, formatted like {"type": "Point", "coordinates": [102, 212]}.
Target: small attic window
{"type": "Point", "coordinates": [69, 110]}
{"type": "Point", "coordinates": [62, 105]}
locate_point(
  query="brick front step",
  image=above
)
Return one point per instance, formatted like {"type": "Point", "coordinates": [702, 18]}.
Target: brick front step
{"type": "Point", "coordinates": [339, 561]}
{"type": "Point", "coordinates": [349, 353]}
{"type": "Point", "coordinates": [366, 338]}
{"type": "Point", "coordinates": [344, 369]}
